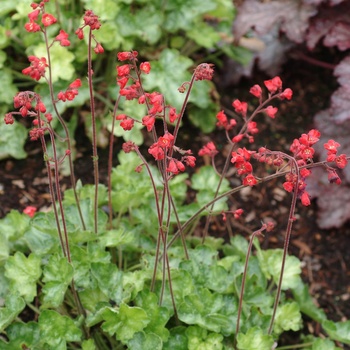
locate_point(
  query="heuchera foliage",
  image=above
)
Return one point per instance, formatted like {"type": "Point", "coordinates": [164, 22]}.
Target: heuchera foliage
{"type": "Point", "coordinates": [205, 297]}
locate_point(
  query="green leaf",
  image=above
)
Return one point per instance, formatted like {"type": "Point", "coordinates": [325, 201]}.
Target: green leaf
{"type": "Point", "coordinates": [167, 74]}
{"type": "Point", "coordinates": [201, 339]}
{"type": "Point", "coordinates": [56, 330]}
{"type": "Point", "coordinates": [106, 10]}
{"type": "Point", "coordinates": [7, 92]}
{"type": "Point", "coordinates": [206, 181]}
{"type": "Point", "coordinates": [125, 322]}
{"type": "Point", "coordinates": [23, 273]}
{"type": "Point", "coordinates": [323, 344]}
{"type": "Point", "coordinates": [203, 118]}
{"type": "Point", "coordinates": [23, 334]}
{"type": "Point", "coordinates": [271, 261]}
{"type": "Point", "coordinates": [42, 236]}
{"type": "Point", "coordinates": [254, 339]}
{"type": "Point", "coordinates": [181, 14]}
{"type": "Point", "coordinates": [288, 318]}
{"type": "Point", "coordinates": [58, 274]}
{"type": "Point", "coordinates": [210, 311]}
{"type": "Point", "coordinates": [142, 341]}
{"type": "Point", "coordinates": [338, 330]}
{"type": "Point", "coordinates": [177, 340]}
{"type": "Point", "coordinates": [203, 268]}
{"type": "Point", "coordinates": [12, 139]}
{"type": "Point", "coordinates": [307, 306]}
{"type": "Point", "coordinates": [159, 315]}
{"type": "Point", "coordinates": [14, 304]}
{"type": "Point", "coordinates": [115, 238]}
{"type": "Point", "coordinates": [88, 345]}
{"type": "Point", "coordinates": [143, 23]}
{"type": "Point", "coordinates": [204, 35]}
{"type": "Point", "coordinates": [109, 280]}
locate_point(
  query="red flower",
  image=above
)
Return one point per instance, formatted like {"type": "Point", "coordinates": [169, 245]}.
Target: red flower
{"type": "Point", "coordinates": [172, 115]}
{"type": "Point", "coordinates": [306, 153]}
{"type": "Point", "coordinates": [271, 111]}
{"type": "Point", "coordinates": [251, 128]}
{"type": "Point", "coordinates": [209, 149]}
{"type": "Point", "coordinates": [128, 146]}
{"type": "Point", "coordinates": [37, 68]}
{"type": "Point", "coordinates": [256, 90]}
{"type": "Point", "coordinates": [47, 19]}
{"type": "Point", "coordinates": [274, 84]}
{"type": "Point", "coordinates": [32, 27]}
{"type": "Point", "coordinates": [166, 141]}
{"type": "Point", "coordinates": [331, 146]}
{"type": "Point", "coordinates": [99, 49]}
{"type": "Point", "coordinates": [240, 107]}
{"type": "Point", "coordinates": [341, 161]}
{"type": "Point", "coordinates": [305, 172]}
{"type": "Point", "coordinates": [40, 107]}
{"type": "Point", "coordinates": [204, 71]}
{"type": "Point", "coordinates": [80, 34]}
{"type": "Point", "coordinates": [288, 186]}
{"type": "Point", "coordinates": [148, 121]}
{"type": "Point", "coordinates": [310, 138]}
{"type": "Point", "coordinates": [122, 82]}
{"type": "Point", "coordinates": [75, 84]}
{"type": "Point", "coordinates": [70, 94]}
{"type": "Point", "coordinates": [91, 20]}
{"type": "Point", "coordinates": [243, 168]}
{"type": "Point", "coordinates": [333, 177]}
{"type": "Point", "coordinates": [33, 16]}
{"type": "Point", "coordinates": [222, 119]}
{"type": "Point", "coordinates": [9, 118]}
{"type": "Point", "coordinates": [190, 161]}
{"type": "Point", "coordinates": [305, 199]}
{"type": "Point", "coordinates": [286, 94]}
{"type": "Point", "coordinates": [61, 96]}
{"type": "Point", "coordinates": [127, 55]}
{"type": "Point", "coordinates": [156, 151]}
{"type": "Point", "coordinates": [63, 38]}
{"type": "Point", "coordinates": [250, 180]}
{"type": "Point", "coordinates": [30, 211]}
{"type": "Point", "coordinates": [145, 67]}
{"type": "Point", "coordinates": [127, 124]}
{"type": "Point", "coordinates": [237, 138]}
{"type": "Point", "coordinates": [237, 213]}
{"type": "Point", "coordinates": [123, 70]}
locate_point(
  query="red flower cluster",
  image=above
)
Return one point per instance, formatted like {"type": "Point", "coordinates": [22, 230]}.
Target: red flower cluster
{"type": "Point", "coordinates": [71, 92]}
{"type": "Point", "coordinates": [37, 67]}
{"type": "Point", "coordinates": [127, 55]}
{"type": "Point", "coordinates": [208, 150]}
{"type": "Point", "coordinates": [47, 19]}
{"type": "Point", "coordinates": [240, 107]}
{"type": "Point", "coordinates": [341, 160]}
{"type": "Point", "coordinates": [241, 160]}
{"type": "Point", "coordinates": [126, 123]}
{"type": "Point", "coordinates": [24, 101]}
{"type": "Point", "coordinates": [63, 38]}
{"type": "Point", "coordinates": [90, 20]}
{"type": "Point", "coordinates": [204, 71]}
{"type": "Point", "coordinates": [224, 122]}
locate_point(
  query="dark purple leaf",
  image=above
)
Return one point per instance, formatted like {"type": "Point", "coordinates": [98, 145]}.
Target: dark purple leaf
{"type": "Point", "coordinates": [289, 16]}
{"type": "Point", "coordinates": [332, 23]}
